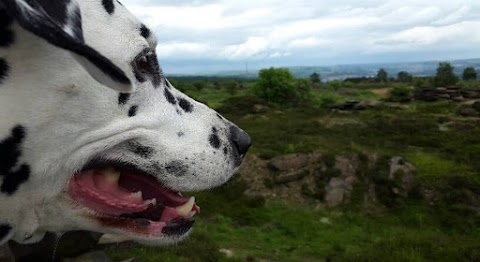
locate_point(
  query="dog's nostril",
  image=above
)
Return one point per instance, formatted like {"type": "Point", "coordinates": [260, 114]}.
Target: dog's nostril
{"type": "Point", "coordinates": [241, 140]}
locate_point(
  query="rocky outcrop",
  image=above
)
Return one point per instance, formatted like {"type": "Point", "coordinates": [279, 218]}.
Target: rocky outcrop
{"type": "Point", "coordinates": [450, 93]}
{"type": "Point", "coordinates": [330, 180]}
{"type": "Point", "coordinates": [357, 105]}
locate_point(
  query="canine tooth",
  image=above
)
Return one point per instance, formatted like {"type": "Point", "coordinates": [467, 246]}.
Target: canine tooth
{"type": "Point", "coordinates": [152, 201]}
{"type": "Point", "coordinates": [192, 213]}
{"type": "Point", "coordinates": [138, 195]}
{"type": "Point", "coordinates": [184, 210]}
{"type": "Point", "coordinates": [111, 175]}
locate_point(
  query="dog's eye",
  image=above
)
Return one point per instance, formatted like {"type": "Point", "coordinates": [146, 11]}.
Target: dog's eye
{"type": "Point", "coordinates": [142, 64]}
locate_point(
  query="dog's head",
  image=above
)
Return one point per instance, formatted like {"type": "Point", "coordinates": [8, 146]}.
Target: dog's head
{"type": "Point", "coordinates": [75, 154]}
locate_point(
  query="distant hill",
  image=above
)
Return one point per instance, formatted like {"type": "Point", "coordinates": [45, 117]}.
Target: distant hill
{"type": "Point", "coordinates": [358, 70]}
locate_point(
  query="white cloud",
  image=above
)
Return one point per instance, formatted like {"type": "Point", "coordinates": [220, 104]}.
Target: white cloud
{"type": "Point", "coordinates": [237, 30]}
{"type": "Point", "coordinates": [165, 50]}
{"type": "Point", "coordinates": [254, 46]}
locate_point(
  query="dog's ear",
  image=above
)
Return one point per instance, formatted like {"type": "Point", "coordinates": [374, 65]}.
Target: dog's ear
{"type": "Point", "coordinates": [60, 23]}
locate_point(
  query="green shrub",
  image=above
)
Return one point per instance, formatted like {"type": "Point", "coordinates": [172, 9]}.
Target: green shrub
{"type": "Point", "coordinates": [400, 94]}
{"type": "Point", "coordinates": [240, 105]}
{"type": "Point", "coordinates": [277, 85]}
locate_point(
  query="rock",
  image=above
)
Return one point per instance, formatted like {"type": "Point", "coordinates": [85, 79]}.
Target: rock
{"type": "Point", "coordinates": [348, 165]}
{"type": "Point", "coordinates": [468, 112]}
{"type": "Point", "coordinates": [326, 221]}
{"type": "Point", "coordinates": [259, 108]}
{"type": "Point", "coordinates": [335, 191]}
{"type": "Point", "coordinates": [431, 196]}
{"type": "Point", "coordinates": [291, 177]}
{"type": "Point", "coordinates": [402, 173]}
{"type": "Point", "coordinates": [288, 163]}
{"type": "Point", "coordinates": [363, 105]}
{"type": "Point", "coordinates": [350, 181]}
{"type": "Point", "coordinates": [227, 252]}
{"type": "Point", "coordinates": [96, 256]}
{"type": "Point", "coordinates": [471, 93]}
{"type": "Point", "coordinates": [458, 99]}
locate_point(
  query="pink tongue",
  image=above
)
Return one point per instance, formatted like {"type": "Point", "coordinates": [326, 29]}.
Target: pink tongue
{"type": "Point", "coordinates": [95, 191]}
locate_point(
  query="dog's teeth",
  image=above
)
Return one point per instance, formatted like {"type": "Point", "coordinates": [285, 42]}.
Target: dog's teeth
{"type": "Point", "coordinates": [138, 195]}
{"type": "Point", "coordinates": [152, 201]}
{"type": "Point", "coordinates": [111, 175]}
{"type": "Point", "coordinates": [192, 213]}
{"type": "Point", "coordinates": [185, 209]}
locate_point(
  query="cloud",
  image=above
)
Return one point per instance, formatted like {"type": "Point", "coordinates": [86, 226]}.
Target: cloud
{"type": "Point", "coordinates": [309, 31]}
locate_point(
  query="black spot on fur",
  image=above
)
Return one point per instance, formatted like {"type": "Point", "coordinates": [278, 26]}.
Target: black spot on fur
{"type": "Point", "coordinates": [133, 111]}
{"type": "Point", "coordinates": [176, 168]}
{"type": "Point", "coordinates": [4, 230]}
{"type": "Point", "coordinates": [109, 6]}
{"type": "Point", "coordinates": [145, 32]}
{"type": "Point", "coordinates": [170, 98]}
{"type": "Point", "coordinates": [5, 19]}
{"type": "Point", "coordinates": [180, 134]}
{"type": "Point", "coordinates": [56, 10]}
{"type": "Point", "coordinates": [185, 105]}
{"type": "Point", "coordinates": [139, 149]}
{"type": "Point", "coordinates": [225, 151]}
{"type": "Point", "coordinates": [214, 141]}
{"type": "Point", "coordinates": [123, 98]}
{"type": "Point", "coordinates": [10, 152]}
{"type": "Point", "coordinates": [12, 182]}
{"type": "Point", "coordinates": [7, 36]}
{"type": "Point", "coordinates": [4, 68]}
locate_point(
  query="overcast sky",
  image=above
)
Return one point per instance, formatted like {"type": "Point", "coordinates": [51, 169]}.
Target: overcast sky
{"type": "Point", "coordinates": [213, 35]}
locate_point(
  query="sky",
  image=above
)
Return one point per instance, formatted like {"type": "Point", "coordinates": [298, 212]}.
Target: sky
{"type": "Point", "coordinates": [207, 36]}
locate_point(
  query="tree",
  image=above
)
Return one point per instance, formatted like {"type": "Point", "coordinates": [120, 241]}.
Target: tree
{"type": "Point", "coordinates": [469, 74]}
{"type": "Point", "coordinates": [199, 85]}
{"type": "Point", "coordinates": [278, 85]}
{"type": "Point", "coordinates": [315, 78]}
{"type": "Point", "coordinates": [231, 85]}
{"type": "Point", "coordinates": [404, 77]}
{"type": "Point", "coordinates": [445, 75]}
{"type": "Point", "coordinates": [382, 76]}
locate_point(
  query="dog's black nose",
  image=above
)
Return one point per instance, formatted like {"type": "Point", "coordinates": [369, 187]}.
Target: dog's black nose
{"type": "Point", "coordinates": [241, 140]}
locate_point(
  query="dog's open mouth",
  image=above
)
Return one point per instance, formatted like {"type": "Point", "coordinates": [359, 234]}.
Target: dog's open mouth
{"type": "Point", "coordinates": [134, 201]}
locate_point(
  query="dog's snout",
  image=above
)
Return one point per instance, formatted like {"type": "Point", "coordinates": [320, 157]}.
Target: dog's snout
{"type": "Point", "coordinates": [241, 140]}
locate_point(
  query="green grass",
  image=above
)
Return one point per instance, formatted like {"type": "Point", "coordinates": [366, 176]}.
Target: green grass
{"type": "Point", "coordinates": [430, 165]}
{"type": "Point", "coordinates": [301, 234]}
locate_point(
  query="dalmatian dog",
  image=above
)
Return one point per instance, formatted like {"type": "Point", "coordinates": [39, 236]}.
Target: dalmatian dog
{"type": "Point", "coordinates": [92, 135]}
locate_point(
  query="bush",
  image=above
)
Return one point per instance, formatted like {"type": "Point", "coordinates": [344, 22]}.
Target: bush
{"type": "Point", "coordinates": [241, 105]}
{"type": "Point", "coordinates": [469, 74]}
{"type": "Point", "coordinates": [277, 85]}
{"type": "Point", "coordinates": [400, 94]}
{"type": "Point", "coordinates": [445, 75]}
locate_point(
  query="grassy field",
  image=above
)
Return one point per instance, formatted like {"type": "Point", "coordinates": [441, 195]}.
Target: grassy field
{"type": "Point", "coordinates": [444, 148]}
